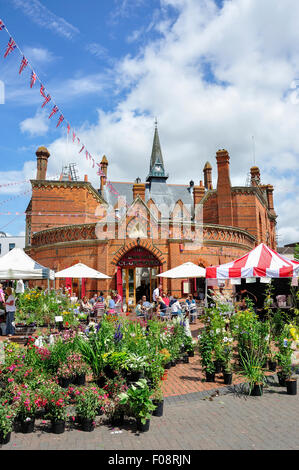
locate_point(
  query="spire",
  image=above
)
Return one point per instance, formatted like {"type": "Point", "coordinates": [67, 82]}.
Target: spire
{"type": "Point", "coordinates": [157, 171]}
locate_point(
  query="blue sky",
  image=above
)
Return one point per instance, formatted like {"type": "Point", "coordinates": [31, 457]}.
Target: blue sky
{"type": "Point", "coordinates": [215, 73]}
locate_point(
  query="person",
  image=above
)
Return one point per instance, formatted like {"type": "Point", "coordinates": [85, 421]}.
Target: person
{"type": "Point", "coordinates": [118, 300]}
{"type": "Point", "coordinates": [156, 293]}
{"type": "Point", "coordinates": [110, 305]}
{"type": "Point", "coordinates": [139, 310]}
{"type": "Point", "coordinates": [176, 307]}
{"type": "Point", "coordinates": [10, 308]}
{"type": "Point", "coordinates": [162, 307]}
{"type": "Point", "coordinates": [2, 296]}
{"type": "Point", "coordinates": [145, 302]}
{"type": "Point", "coordinates": [85, 306]}
{"type": "Point", "coordinates": [99, 305]}
{"type": "Point", "coordinates": [241, 298]}
{"type": "Point", "coordinates": [191, 304]}
{"type": "Point", "coordinates": [165, 299]}
{"type": "Point", "coordinates": [93, 300]}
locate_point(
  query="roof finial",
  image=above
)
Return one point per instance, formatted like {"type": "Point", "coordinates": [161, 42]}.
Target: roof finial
{"type": "Point", "coordinates": [156, 123]}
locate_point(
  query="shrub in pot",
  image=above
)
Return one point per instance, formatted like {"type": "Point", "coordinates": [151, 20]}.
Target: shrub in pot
{"type": "Point", "coordinates": [158, 400]}
{"type": "Point", "coordinates": [7, 415]}
{"type": "Point", "coordinates": [252, 369]}
{"type": "Point", "coordinates": [65, 375]}
{"type": "Point", "coordinates": [206, 352]}
{"type": "Point", "coordinates": [87, 402]}
{"type": "Point", "coordinates": [27, 403]}
{"type": "Point", "coordinates": [137, 397]}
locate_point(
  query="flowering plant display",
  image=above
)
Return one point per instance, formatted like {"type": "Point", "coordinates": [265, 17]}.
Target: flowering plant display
{"type": "Point", "coordinates": [7, 415]}
{"type": "Point", "coordinates": [56, 401]}
{"type": "Point", "coordinates": [138, 398]}
{"type": "Point", "coordinates": [26, 403]}
{"type": "Point", "coordinates": [87, 401]}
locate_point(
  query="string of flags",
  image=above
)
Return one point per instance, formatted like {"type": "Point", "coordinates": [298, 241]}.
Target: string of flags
{"type": "Point", "coordinates": [47, 98]}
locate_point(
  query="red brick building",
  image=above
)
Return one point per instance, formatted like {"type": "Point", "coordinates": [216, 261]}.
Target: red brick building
{"type": "Point", "coordinates": [154, 226]}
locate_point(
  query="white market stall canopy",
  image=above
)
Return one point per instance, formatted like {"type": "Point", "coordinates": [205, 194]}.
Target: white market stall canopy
{"type": "Point", "coordinates": [262, 261]}
{"type": "Point", "coordinates": [16, 264]}
{"type": "Point", "coordinates": [80, 271]}
{"type": "Point", "coordinates": [184, 271]}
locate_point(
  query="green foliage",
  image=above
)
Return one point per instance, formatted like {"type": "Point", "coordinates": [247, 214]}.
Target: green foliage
{"type": "Point", "coordinates": [252, 368]}
{"type": "Point", "coordinates": [138, 398]}
{"type": "Point", "coordinates": [7, 415]}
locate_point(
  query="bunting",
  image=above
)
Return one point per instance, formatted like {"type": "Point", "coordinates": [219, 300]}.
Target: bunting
{"type": "Point", "coordinates": [2, 25]}
{"type": "Point", "coordinates": [47, 99]}
{"type": "Point", "coordinates": [54, 111]}
{"type": "Point", "coordinates": [33, 79]}
{"type": "Point", "coordinates": [10, 47]}
{"type": "Point", "coordinates": [24, 64]}
{"type": "Point", "coordinates": [61, 118]}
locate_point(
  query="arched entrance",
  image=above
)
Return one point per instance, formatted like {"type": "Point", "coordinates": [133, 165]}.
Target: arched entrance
{"type": "Point", "coordinates": [136, 275]}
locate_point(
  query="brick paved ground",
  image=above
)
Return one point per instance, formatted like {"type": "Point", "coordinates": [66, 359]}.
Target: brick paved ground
{"type": "Point", "coordinates": [229, 421]}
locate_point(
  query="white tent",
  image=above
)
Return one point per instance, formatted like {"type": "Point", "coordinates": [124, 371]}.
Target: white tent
{"type": "Point", "coordinates": [79, 271]}
{"type": "Point", "coordinates": [184, 271]}
{"type": "Point", "coordinates": [16, 264]}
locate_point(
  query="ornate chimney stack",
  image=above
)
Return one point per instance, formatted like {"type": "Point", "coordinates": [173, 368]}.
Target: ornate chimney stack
{"type": "Point", "coordinates": [42, 155]}
{"type": "Point", "coordinates": [207, 171]}
{"type": "Point", "coordinates": [255, 176]}
{"type": "Point", "coordinates": [224, 195]}
{"type": "Point", "coordinates": [104, 165]}
{"type": "Point", "coordinates": [138, 189]}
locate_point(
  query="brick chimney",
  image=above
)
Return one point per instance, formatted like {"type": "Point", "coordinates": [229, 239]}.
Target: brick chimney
{"type": "Point", "coordinates": [207, 171]}
{"type": "Point", "coordinates": [104, 165]}
{"type": "Point", "coordinates": [270, 189]}
{"type": "Point", "coordinates": [42, 155]}
{"type": "Point", "coordinates": [224, 195]}
{"type": "Point", "coordinates": [138, 190]}
{"type": "Point", "coordinates": [198, 194]}
{"type": "Point", "coordinates": [255, 176]}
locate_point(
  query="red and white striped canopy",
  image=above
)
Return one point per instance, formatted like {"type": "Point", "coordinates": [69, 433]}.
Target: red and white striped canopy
{"type": "Point", "coordinates": [262, 261]}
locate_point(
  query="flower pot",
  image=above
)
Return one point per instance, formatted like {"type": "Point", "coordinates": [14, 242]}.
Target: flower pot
{"type": "Point", "coordinates": [168, 365]}
{"type": "Point", "coordinates": [173, 362]}
{"type": "Point", "coordinates": [134, 376]}
{"type": "Point", "coordinates": [6, 439]}
{"type": "Point", "coordinates": [228, 378]}
{"type": "Point", "coordinates": [143, 427]}
{"type": "Point", "coordinates": [218, 366]}
{"type": "Point", "coordinates": [58, 427]}
{"type": "Point", "coordinates": [27, 426]}
{"type": "Point", "coordinates": [272, 366]}
{"type": "Point", "coordinates": [65, 382]}
{"type": "Point", "coordinates": [101, 381]}
{"type": "Point", "coordinates": [80, 379]}
{"type": "Point", "coordinates": [210, 376]}
{"type": "Point", "coordinates": [87, 424]}
{"type": "Point", "coordinates": [159, 410]}
{"type": "Point", "coordinates": [109, 372]}
{"type": "Point", "coordinates": [291, 386]}
{"type": "Point", "coordinates": [257, 390]}
{"type": "Point", "coordinates": [117, 420]}
{"type": "Point", "coordinates": [191, 353]}
{"type": "Point", "coordinates": [186, 359]}
{"type": "Point", "coordinates": [281, 379]}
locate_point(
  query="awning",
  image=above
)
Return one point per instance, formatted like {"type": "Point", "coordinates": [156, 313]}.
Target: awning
{"type": "Point", "coordinates": [16, 264]}
{"type": "Point", "coordinates": [184, 271]}
{"type": "Point", "coordinates": [262, 261]}
{"type": "Point", "coordinates": [80, 271]}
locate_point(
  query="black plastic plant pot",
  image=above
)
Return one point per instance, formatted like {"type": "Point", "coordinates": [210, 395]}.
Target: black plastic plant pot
{"type": "Point", "coordinates": [58, 427]}
{"type": "Point", "coordinates": [134, 376]}
{"type": "Point", "coordinates": [86, 424]}
{"type": "Point", "coordinates": [281, 379]}
{"type": "Point", "coordinates": [191, 353]}
{"type": "Point", "coordinates": [101, 381]}
{"type": "Point", "coordinates": [80, 379]}
{"type": "Point", "coordinates": [64, 382]}
{"type": "Point", "coordinates": [158, 411]}
{"type": "Point", "coordinates": [257, 390]}
{"type": "Point", "coordinates": [117, 420]}
{"type": "Point", "coordinates": [186, 359]}
{"type": "Point", "coordinates": [228, 378]}
{"type": "Point", "coordinates": [210, 376]}
{"type": "Point", "coordinates": [291, 386]}
{"type": "Point", "coordinates": [168, 365]}
{"type": "Point", "coordinates": [27, 426]}
{"type": "Point", "coordinates": [6, 439]}
{"type": "Point", "coordinates": [143, 427]}
{"type": "Point", "coordinates": [218, 366]}
{"type": "Point", "coordinates": [272, 366]}
{"type": "Point", "coordinates": [109, 372]}
{"type": "Point", "coordinates": [173, 362]}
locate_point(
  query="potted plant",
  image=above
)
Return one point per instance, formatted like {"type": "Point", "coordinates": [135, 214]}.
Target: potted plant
{"type": "Point", "coordinates": [227, 357]}
{"type": "Point", "coordinates": [65, 375]}
{"type": "Point", "coordinates": [7, 415]}
{"type": "Point", "coordinates": [135, 365]}
{"type": "Point", "coordinates": [189, 346]}
{"type": "Point", "coordinates": [57, 402]}
{"type": "Point", "coordinates": [206, 351]}
{"type": "Point", "coordinates": [253, 370]}
{"type": "Point", "coordinates": [78, 367]}
{"type": "Point", "coordinates": [158, 400]}
{"type": "Point", "coordinates": [284, 357]}
{"type": "Point", "coordinates": [138, 398]}
{"type": "Point", "coordinates": [27, 403]}
{"type": "Point", "coordinates": [86, 406]}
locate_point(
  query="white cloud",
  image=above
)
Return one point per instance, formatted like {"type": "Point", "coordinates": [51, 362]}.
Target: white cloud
{"type": "Point", "coordinates": [214, 79]}
{"type": "Point", "coordinates": [38, 55]}
{"type": "Point", "coordinates": [37, 125]}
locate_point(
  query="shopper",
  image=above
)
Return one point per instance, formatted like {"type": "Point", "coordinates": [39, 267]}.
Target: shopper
{"type": "Point", "coordinates": [10, 308]}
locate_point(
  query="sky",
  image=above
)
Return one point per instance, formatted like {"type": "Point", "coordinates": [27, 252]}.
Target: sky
{"type": "Point", "coordinates": [215, 73]}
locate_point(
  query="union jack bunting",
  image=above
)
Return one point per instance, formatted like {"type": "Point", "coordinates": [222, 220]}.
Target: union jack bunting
{"type": "Point", "coordinates": [78, 140]}
{"type": "Point", "coordinates": [10, 47]}
{"type": "Point", "coordinates": [54, 111]}
{"type": "Point", "coordinates": [81, 148]}
{"type": "Point", "coordinates": [47, 99]}
{"type": "Point", "coordinates": [33, 79]}
{"type": "Point", "coordinates": [86, 153]}
{"type": "Point", "coordinates": [42, 91]}
{"type": "Point", "coordinates": [24, 64]}
{"type": "Point", "coordinates": [74, 135]}
{"type": "Point", "coordinates": [61, 118]}
{"type": "Point", "coordinates": [2, 25]}
{"type": "Point", "coordinates": [68, 128]}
